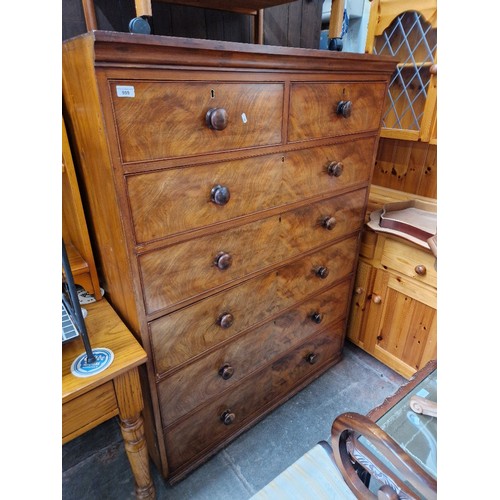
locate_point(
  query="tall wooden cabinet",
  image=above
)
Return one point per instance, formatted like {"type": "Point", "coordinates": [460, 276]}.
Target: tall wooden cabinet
{"type": "Point", "coordinates": [227, 187]}
{"type": "Point", "coordinates": [407, 30]}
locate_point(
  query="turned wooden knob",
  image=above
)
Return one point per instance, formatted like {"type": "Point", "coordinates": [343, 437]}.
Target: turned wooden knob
{"type": "Point", "coordinates": [335, 168]}
{"type": "Point", "coordinates": [223, 260]}
{"type": "Point", "coordinates": [317, 317]}
{"type": "Point", "coordinates": [421, 270]}
{"type": "Point", "coordinates": [329, 222]}
{"type": "Point", "coordinates": [344, 108]}
{"type": "Point", "coordinates": [220, 195]}
{"type": "Point", "coordinates": [312, 358]}
{"type": "Point", "coordinates": [217, 118]}
{"type": "Point", "coordinates": [377, 299]}
{"type": "Point", "coordinates": [225, 320]}
{"type": "Point", "coordinates": [226, 371]}
{"type": "Point", "coordinates": [321, 272]}
{"type": "Point", "coordinates": [227, 417]}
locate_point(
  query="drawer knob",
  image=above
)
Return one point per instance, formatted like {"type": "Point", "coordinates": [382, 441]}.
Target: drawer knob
{"type": "Point", "coordinates": [217, 118]}
{"type": "Point", "coordinates": [329, 222]}
{"type": "Point", "coordinates": [359, 290]}
{"type": "Point", "coordinates": [227, 417]}
{"type": "Point", "coordinates": [312, 358]}
{"type": "Point", "coordinates": [335, 168]}
{"type": "Point", "coordinates": [344, 108]}
{"type": "Point", "coordinates": [377, 299]}
{"type": "Point", "coordinates": [223, 260]}
{"type": "Point", "coordinates": [421, 270]}
{"type": "Point", "coordinates": [317, 317]}
{"type": "Point", "coordinates": [321, 272]}
{"type": "Point", "coordinates": [227, 371]}
{"type": "Point", "coordinates": [225, 320]}
{"type": "Point", "coordinates": [220, 195]}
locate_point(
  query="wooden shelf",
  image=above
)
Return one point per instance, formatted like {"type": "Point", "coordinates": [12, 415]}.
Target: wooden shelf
{"type": "Point", "coordinates": [74, 226]}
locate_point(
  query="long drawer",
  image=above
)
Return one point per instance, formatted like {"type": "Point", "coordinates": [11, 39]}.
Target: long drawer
{"type": "Point", "coordinates": [189, 332]}
{"type": "Point", "coordinates": [193, 436]}
{"type": "Point", "coordinates": [165, 119]}
{"type": "Point", "coordinates": [178, 272]}
{"type": "Point", "coordinates": [316, 109]}
{"type": "Point", "coordinates": [176, 200]}
{"type": "Point", "coordinates": [223, 368]}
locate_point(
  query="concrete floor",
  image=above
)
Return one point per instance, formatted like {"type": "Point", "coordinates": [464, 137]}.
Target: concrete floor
{"type": "Point", "coordinates": [95, 466]}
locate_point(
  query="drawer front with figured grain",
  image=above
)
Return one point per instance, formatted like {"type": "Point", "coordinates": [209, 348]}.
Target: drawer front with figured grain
{"type": "Point", "coordinates": [225, 367]}
{"type": "Point", "coordinates": [182, 271]}
{"type": "Point", "coordinates": [166, 119]}
{"type": "Point", "coordinates": [189, 332]}
{"type": "Point", "coordinates": [195, 435]}
{"type": "Point", "coordinates": [176, 200]}
{"type": "Point", "coordinates": [323, 109]}
{"type": "Point", "coordinates": [410, 261]}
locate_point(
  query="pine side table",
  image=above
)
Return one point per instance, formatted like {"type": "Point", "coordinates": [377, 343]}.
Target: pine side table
{"type": "Point", "coordinates": [89, 401]}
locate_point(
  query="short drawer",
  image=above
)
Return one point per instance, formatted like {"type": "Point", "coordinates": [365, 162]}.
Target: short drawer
{"type": "Point", "coordinates": [225, 367]}
{"type": "Point", "coordinates": [179, 272]}
{"type": "Point", "coordinates": [167, 119]}
{"type": "Point", "coordinates": [88, 410]}
{"type": "Point", "coordinates": [410, 261]}
{"type": "Point", "coordinates": [177, 200]}
{"type": "Point", "coordinates": [194, 436]}
{"type": "Point", "coordinates": [315, 109]}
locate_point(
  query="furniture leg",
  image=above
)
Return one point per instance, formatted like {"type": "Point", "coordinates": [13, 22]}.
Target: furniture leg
{"type": "Point", "coordinates": [89, 13]}
{"type": "Point", "coordinates": [130, 404]}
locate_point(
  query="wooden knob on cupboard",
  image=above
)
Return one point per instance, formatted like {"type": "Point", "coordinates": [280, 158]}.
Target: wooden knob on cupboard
{"type": "Point", "coordinates": [312, 358]}
{"type": "Point", "coordinates": [220, 195]}
{"type": "Point", "coordinates": [344, 108]}
{"type": "Point", "coordinates": [227, 417]}
{"type": "Point", "coordinates": [321, 272]}
{"type": "Point", "coordinates": [223, 260]}
{"type": "Point", "coordinates": [329, 222]}
{"type": "Point", "coordinates": [226, 371]}
{"type": "Point", "coordinates": [377, 299]}
{"type": "Point", "coordinates": [317, 317]}
{"type": "Point", "coordinates": [217, 118]}
{"type": "Point", "coordinates": [421, 270]}
{"type": "Point", "coordinates": [335, 168]}
{"type": "Point", "coordinates": [225, 320]}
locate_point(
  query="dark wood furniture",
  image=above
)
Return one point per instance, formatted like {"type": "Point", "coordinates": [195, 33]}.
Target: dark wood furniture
{"type": "Point", "coordinates": [227, 186]}
{"type": "Point", "coordinates": [254, 8]}
{"type": "Point", "coordinates": [89, 401]}
{"type": "Point", "coordinates": [374, 443]}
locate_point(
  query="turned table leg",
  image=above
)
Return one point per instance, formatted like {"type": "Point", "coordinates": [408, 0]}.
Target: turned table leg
{"type": "Point", "coordinates": [130, 405]}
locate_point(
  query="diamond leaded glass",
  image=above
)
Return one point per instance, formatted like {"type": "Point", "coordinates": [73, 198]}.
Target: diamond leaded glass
{"type": "Point", "coordinates": [413, 41]}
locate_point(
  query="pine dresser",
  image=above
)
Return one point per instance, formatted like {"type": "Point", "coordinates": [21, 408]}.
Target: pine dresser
{"type": "Point", "coordinates": [226, 187]}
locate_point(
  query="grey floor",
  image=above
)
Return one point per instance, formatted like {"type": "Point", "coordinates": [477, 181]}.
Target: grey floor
{"type": "Point", "coordinates": [95, 466]}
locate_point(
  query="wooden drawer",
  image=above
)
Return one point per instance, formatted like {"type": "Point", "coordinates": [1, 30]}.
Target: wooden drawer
{"type": "Point", "coordinates": [97, 405]}
{"type": "Point", "coordinates": [176, 200]}
{"type": "Point", "coordinates": [185, 270]}
{"type": "Point", "coordinates": [225, 367]}
{"type": "Point", "coordinates": [189, 332]}
{"type": "Point", "coordinates": [165, 119]}
{"type": "Point", "coordinates": [193, 436]}
{"type": "Point", "coordinates": [313, 109]}
{"type": "Point", "coordinates": [407, 259]}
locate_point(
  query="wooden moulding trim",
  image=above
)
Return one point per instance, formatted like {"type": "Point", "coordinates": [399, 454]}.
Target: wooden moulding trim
{"type": "Point", "coordinates": [125, 48]}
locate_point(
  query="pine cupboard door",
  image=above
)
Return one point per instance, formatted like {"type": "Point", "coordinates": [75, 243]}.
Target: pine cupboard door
{"type": "Point", "coordinates": [401, 323]}
{"type": "Point", "coordinates": [407, 30]}
{"type": "Point", "coordinates": [360, 303]}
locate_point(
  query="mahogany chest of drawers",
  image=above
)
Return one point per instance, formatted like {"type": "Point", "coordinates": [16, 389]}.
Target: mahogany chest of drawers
{"type": "Point", "coordinates": [226, 186]}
